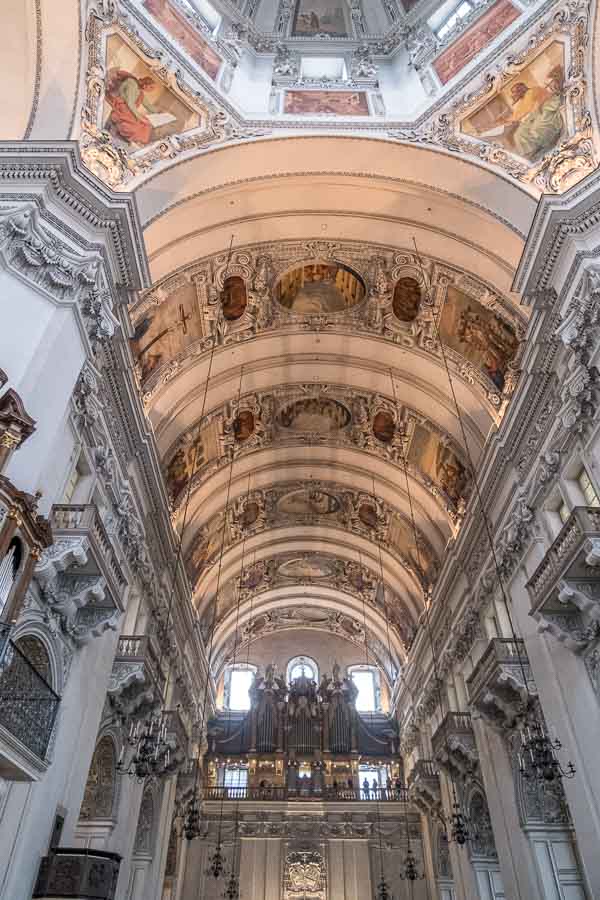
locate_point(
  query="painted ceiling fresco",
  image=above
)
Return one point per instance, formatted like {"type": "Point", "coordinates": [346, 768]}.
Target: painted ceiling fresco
{"type": "Point", "coordinates": [319, 288]}
{"type": "Point", "coordinates": [375, 296]}
{"type": "Point", "coordinates": [338, 416]}
{"type": "Point", "coordinates": [322, 17]}
{"type": "Point", "coordinates": [326, 504]}
{"type": "Point", "coordinates": [180, 28]}
{"type": "Point", "coordinates": [139, 109]}
{"type": "Point", "coordinates": [526, 116]}
{"type": "Point", "coordinates": [164, 76]}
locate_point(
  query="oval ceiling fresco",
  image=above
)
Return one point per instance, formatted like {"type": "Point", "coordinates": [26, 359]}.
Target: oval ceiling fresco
{"type": "Point", "coordinates": [319, 289]}
{"type": "Point", "coordinates": [306, 568]}
{"type": "Point", "coordinates": [318, 415]}
{"type": "Point", "coordinates": [308, 502]}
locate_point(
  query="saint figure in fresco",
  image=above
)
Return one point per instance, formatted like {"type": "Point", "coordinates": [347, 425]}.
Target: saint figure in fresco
{"type": "Point", "coordinates": [130, 107]}
{"type": "Point", "coordinates": [490, 337]}
{"type": "Point", "coordinates": [535, 123]}
{"type": "Point", "coordinates": [177, 473]}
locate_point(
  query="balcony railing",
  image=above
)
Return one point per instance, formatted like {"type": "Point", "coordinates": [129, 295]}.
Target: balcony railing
{"type": "Point", "coordinates": [329, 794]}
{"type": "Point", "coordinates": [28, 705]}
{"type": "Point", "coordinates": [500, 652]}
{"type": "Point", "coordinates": [73, 520]}
{"type": "Point", "coordinates": [453, 744]}
{"type": "Point", "coordinates": [567, 555]}
{"type": "Point", "coordinates": [75, 873]}
{"type": "Point", "coordinates": [423, 768]}
{"type": "Point", "coordinates": [501, 682]}
{"type": "Point", "coordinates": [139, 648]}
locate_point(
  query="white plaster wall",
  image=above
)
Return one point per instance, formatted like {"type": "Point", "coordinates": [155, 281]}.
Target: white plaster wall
{"type": "Point", "coordinates": [266, 15]}
{"type": "Point", "coordinates": [17, 66]}
{"type": "Point", "coordinates": [27, 819]}
{"type": "Point", "coordinates": [42, 352]}
{"type": "Point", "coordinates": [251, 85]}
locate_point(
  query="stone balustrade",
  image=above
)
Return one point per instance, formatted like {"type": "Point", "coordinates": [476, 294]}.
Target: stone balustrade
{"type": "Point", "coordinates": [454, 747]}
{"type": "Point", "coordinates": [501, 683]}
{"type": "Point", "coordinates": [284, 794]}
{"type": "Point", "coordinates": [138, 678]}
{"type": "Point", "coordinates": [424, 786]}
{"type": "Point", "coordinates": [85, 521]}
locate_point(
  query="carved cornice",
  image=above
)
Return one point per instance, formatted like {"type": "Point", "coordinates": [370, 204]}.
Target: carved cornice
{"type": "Point", "coordinates": [52, 177]}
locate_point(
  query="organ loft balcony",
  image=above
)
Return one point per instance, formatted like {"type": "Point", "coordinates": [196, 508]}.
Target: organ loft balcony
{"type": "Point", "coordinates": [302, 743]}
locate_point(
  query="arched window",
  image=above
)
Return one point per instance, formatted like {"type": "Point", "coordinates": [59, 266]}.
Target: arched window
{"type": "Point", "coordinates": [99, 796]}
{"type": "Point", "coordinates": [9, 568]}
{"type": "Point", "coordinates": [237, 683]}
{"type": "Point", "coordinates": [302, 666]}
{"type": "Point", "coordinates": [36, 654]}
{"type": "Point", "coordinates": [145, 825]}
{"type": "Point", "coordinates": [368, 684]}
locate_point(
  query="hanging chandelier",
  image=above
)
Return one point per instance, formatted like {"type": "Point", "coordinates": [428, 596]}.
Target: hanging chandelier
{"type": "Point", "coordinates": [191, 820]}
{"type": "Point", "coordinates": [151, 756]}
{"type": "Point", "coordinates": [232, 889]}
{"type": "Point", "coordinates": [460, 827]}
{"type": "Point", "coordinates": [410, 870]}
{"type": "Point", "coordinates": [538, 760]}
{"type": "Point", "coordinates": [216, 864]}
{"type": "Point", "coordinates": [383, 892]}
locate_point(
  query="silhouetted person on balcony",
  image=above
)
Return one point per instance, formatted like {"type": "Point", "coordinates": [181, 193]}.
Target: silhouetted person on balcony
{"type": "Point", "coordinates": [366, 789]}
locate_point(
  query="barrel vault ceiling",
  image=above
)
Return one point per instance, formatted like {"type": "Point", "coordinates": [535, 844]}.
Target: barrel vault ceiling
{"type": "Point", "coordinates": [288, 359]}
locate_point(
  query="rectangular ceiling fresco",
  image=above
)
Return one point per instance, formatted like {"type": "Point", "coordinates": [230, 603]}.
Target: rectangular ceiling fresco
{"type": "Point", "coordinates": [336, 103]}
{"type": "Point", "coordinates": [460, 53]}
{"type": "Point", "coordinates": [330, 17]}
{"type": "Point", "coordinates": [478, 334]}
{"type": "Point", "coordinates": [167, 329]}
{"type": "Point", "coordinates": [180, 29]}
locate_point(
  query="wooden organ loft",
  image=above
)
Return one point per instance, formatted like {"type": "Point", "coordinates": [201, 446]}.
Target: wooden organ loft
{"type": "Point", "coordinates": [302, 741]}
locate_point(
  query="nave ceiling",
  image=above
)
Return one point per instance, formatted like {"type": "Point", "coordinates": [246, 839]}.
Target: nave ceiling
{"type": "Point", "coordinates": [327, 391]}
{"type": "Point", "coordinates": [327, 375]}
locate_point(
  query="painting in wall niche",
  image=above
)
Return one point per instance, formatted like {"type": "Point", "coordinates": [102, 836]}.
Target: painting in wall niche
{"type": "Point", "coordinates": [406, 301]}
{"type": "Point", "coordinates": [181, 30]}
{"type": "Point", "coordinates": [166, 330]}
{"type": "Point", "coordinates": [138, 108]}
{"type": "Point", "coordinates": [319, 288]}
{"type": "Point", "coordinates": [244, 425]}
{"type": "Point", "coordinates": [429, 454]}
{"type": "Point", "coordinates": [317, 415]}
{"type": "Point", "coordinates": [234, 298]}
{"type": "Point", "coordinates": [487, 27]}
{"type": "Point", "coordinates": [478, 334]}
{"type": "Point", "coordinates": [526, 116]}
{"type": "Point", "coordinates": [328, 17]}
{"type": "Point", "coordinates": [308, 502]}
{"type": "Point", "coordinates": [384, 427]}
{"type": "Point", "coordinates": [332, 103]}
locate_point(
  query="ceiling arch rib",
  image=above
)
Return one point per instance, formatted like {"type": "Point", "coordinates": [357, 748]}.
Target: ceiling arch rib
{"type": "Point", "coordinates": [473, 198]}
{"type": "Point", "coordinates": [355, 552]}
{"type": "Point", "coordinates": [326, 610]}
